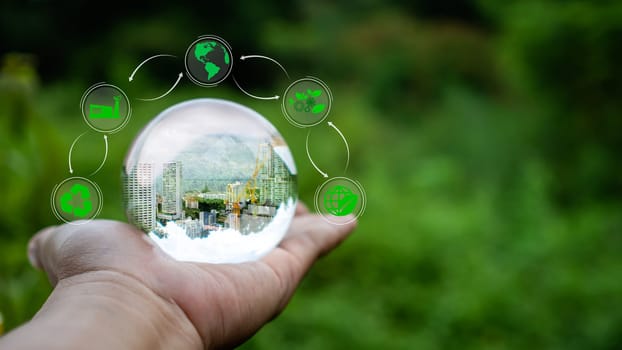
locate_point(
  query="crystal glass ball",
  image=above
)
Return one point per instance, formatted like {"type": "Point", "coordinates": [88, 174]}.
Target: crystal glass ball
{"type": "Point", "coordinates": [212, 181]}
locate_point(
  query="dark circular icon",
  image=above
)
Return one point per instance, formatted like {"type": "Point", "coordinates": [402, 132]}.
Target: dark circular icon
{"type": "Point", "coordinates": [306, 102]}
{"type": "Point", "coordinates": [338, 197]}
{"type": "Point", "coordinates": [105, 108]}
{"type": "Point", "coordinates": [76, 198]}
{"type": "Point", "coordinates": [208, 60]}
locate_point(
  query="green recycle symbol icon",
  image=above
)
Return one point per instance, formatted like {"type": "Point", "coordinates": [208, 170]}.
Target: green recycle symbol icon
{"type": "Point", "coordinates": [67, 203]}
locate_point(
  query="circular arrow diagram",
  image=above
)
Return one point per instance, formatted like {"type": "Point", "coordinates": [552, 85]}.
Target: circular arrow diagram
{"type": "Point", "coordinates": [64, 201]}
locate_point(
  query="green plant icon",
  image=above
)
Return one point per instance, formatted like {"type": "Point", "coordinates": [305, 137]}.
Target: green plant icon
{"type": "Point", "coordinates": [77, 201]}
{"type": "Point", "coordinates": [340, 201]}
{"type": "Point", "coordinates": [306, 102]}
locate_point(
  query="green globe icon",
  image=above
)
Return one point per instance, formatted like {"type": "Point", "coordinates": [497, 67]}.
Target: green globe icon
{"type": "Point", "coordinates": [213, 55]}
{"type": "Point", "coordinates": [340, 201]}
{"type": "Point", "coordinates": [208, 61]}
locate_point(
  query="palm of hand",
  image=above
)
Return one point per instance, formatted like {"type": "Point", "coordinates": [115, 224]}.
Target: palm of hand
{"type": "Point", "coordinates": [226, 303]}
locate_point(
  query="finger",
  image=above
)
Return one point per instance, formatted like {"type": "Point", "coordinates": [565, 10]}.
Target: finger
{"type": "Point", "coordinates": [33, 246]}
{"type": "Point", "coordinates": [43, 250]}
{"type": "Point", "coordinates": [309, 238]}
{"type": "Point", "coordinates": [251, 294]}
{"type": "Point", "coordinates": [312, 236]}
{"type": "Point", "coordinates": [301, 209]}
{"type": "Point", "coordinates": [47, 249]}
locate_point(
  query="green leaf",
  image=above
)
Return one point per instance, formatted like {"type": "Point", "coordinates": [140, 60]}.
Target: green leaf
{"type": "Point", "coordinates": [301, 96]}
{"type": "Point", "coordinates": [291, 101]}
{"type": "Point", "coordinates": [315, 93]}
{"type": "Point", "coordinates": [318, 108]}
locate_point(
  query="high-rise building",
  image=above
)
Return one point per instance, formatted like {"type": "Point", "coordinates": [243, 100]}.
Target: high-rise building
{"type": "Point", "coordinates": [266, 174]}
{"type": "Point", "coordinates": [193, 228]}
{"type": "Point", "coordinates": [212, 217]}
{"type": "Point", "coordinates": [140, 195]}
{"type": "Point", "coordinates": [171, 190]}
{"type": "Point", "coordinates": [275, 181]}
{"type": "Point", "coordinates": [282, 186]}
{"type": "Point", "coordinates": [208, 218]}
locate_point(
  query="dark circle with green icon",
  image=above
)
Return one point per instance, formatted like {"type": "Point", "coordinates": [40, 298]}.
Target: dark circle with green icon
{"type": "Point", "coordinates": [105, 108]}
{"type": "Point", "coordinates": [340, 200]}
{"type": "Point", "coordinates": [76, 199]}
{"type": "Point", "coordinates": [338, 197]}
{"type": "Point", "coordinates": [306, 102]}
{"type": "Point", "coordinates": [208, 61]}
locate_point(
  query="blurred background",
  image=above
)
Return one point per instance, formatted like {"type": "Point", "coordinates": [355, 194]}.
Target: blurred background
{"type": "Point", "coordinates": [487, 135]}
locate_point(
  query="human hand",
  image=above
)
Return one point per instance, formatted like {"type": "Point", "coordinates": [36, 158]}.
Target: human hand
{"type": "Point", "coordinates": [184, 304]}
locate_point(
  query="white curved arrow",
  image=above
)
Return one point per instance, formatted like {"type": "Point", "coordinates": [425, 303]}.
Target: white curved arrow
{"type": "Point", "coordinates": [311, 160]}
{"type": "Point", "coordinates": [267, 58]}
{"type": "Point", "coordinates": [145, 61]}
{"type": "Point", "coordinates": [71, 151]}
{"type": "Point", "coordinates": [344, 141]}
{"type": "Point", "coordinates": [166, 93]}
{"type": "Point", "coordinates": [105, 156]}
{"type": "Point", "coordinates": [253, 96]}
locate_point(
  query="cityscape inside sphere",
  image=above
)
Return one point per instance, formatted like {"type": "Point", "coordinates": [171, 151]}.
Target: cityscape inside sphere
{"type": "Point", "coordinates": [212, 181]}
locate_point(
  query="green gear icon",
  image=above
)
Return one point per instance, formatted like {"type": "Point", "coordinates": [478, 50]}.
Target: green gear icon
{"type": "Point", "coordinates": [67, 198]}
{"type": "Point", "coordinates": [299, 106]}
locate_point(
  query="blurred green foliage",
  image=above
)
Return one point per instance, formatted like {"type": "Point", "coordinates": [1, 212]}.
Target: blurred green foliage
{"type": "Point", "coordinates": [486, 133]}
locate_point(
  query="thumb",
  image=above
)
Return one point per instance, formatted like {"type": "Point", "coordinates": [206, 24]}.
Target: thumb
{"type": "Point", "coordinates": [44, 248]}
{"type": "Point", "coordinates": [309, 237]}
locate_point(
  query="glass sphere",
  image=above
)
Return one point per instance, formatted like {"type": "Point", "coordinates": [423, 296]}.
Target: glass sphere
{"type": "Point", "coordinates": [211, 181]}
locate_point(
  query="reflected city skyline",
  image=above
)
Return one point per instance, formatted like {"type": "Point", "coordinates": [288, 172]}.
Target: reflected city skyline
{"type": "Point", "coordinates": [245, 205]}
